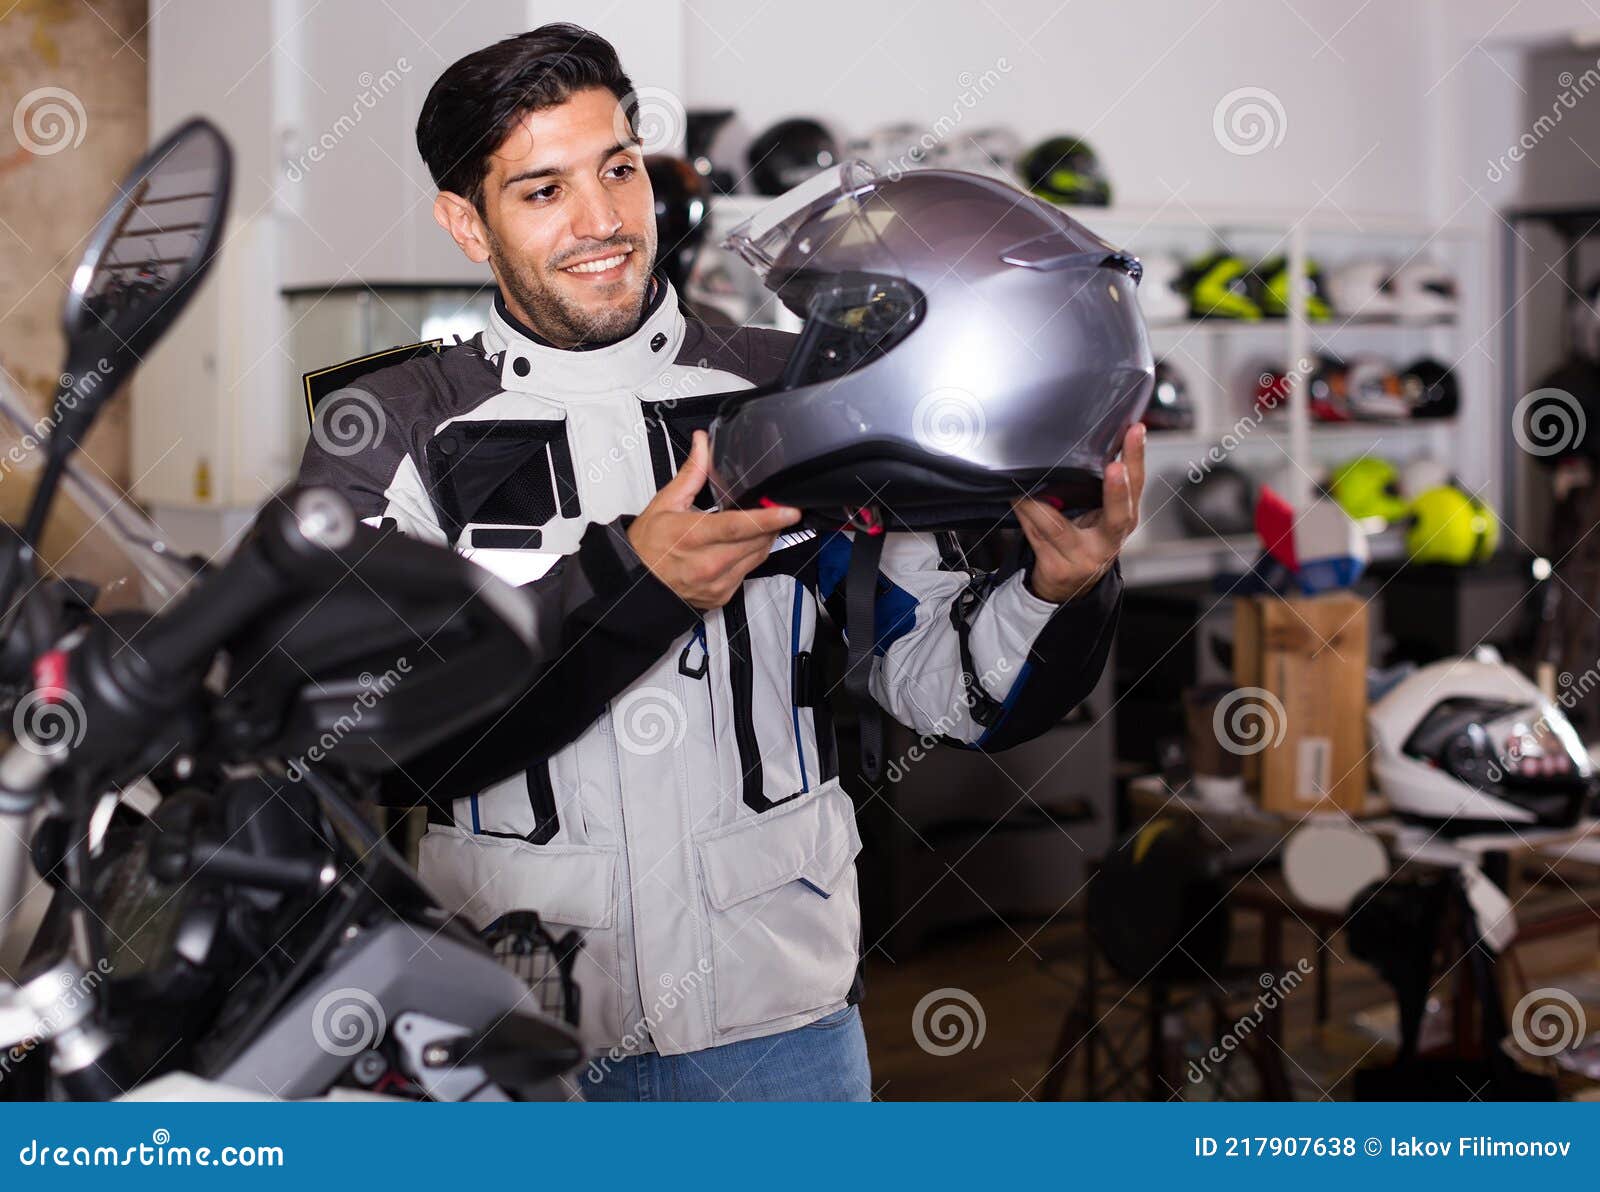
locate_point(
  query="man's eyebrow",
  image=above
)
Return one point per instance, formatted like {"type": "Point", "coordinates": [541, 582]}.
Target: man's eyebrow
{"type": "Point", "coordinates": [534, 172]}
{"type": "Point", "coordinates": [556, 171]}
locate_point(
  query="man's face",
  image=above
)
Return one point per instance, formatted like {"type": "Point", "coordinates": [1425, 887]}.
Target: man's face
{"type": "Point", "coordinates": [570, 221]}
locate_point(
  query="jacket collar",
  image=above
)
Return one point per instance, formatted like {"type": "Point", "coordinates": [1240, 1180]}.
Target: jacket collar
{"type": "Point", "coordinates": [528, 364]}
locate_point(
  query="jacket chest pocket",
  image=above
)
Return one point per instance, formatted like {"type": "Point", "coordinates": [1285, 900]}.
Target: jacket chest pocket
{"type": "Point", "coordinates": [498, 484]}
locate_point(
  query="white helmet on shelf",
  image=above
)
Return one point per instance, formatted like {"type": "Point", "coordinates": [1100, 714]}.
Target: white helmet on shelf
{"type": "Point", "coordinates": [1360, 290]}
{"type": "Point", "coordinates": [1424, 292]}
{"type": "Point", "coordinates": [1374, 390]}
{"type": "Point", "coordinates": [992, 151]}
{"type": "Point", "coordinates": [1464, 745]}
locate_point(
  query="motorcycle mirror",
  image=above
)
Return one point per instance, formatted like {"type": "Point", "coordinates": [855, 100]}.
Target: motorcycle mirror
{"type": "Point", "coordinates": [145, 256]}
{"type": "Point", "coordinates": [144, 260]}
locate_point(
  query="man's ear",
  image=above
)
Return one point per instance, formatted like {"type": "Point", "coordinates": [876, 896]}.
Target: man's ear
{"type": "Point", "coordinates": [461, 219]}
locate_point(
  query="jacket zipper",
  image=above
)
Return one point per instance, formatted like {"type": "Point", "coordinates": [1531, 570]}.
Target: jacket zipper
{"type": "Point", "coordinates": [625, 909]}
{"type": "Point", "coordinates": [741, 674]}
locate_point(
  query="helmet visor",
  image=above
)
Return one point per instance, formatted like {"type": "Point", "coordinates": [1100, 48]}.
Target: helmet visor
{"type": "Point", "coordinates": [1503, 748]}
{"type": "Point", "coordinates": [819, 248]}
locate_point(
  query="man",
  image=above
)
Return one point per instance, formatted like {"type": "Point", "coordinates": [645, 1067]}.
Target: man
{"type": "Point", "coordinates": [673, 790]}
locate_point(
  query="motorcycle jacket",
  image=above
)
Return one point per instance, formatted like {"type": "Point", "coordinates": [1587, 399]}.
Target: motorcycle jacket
{"type": "Point", "coordinates": [670, 786]}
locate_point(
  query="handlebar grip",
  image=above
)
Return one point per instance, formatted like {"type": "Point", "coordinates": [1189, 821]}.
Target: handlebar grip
{"type": "Point", "coordinates": [292, 539]}
{"type": "Point", "coordinates": [209, 861]}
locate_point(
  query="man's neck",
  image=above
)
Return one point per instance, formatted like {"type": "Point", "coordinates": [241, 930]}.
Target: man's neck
{"type": "Point", "coordinates": [521, 326]}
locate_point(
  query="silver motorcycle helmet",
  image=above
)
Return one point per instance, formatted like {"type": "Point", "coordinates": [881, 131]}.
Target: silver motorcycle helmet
{"type": "Point", "coordinates": [964, 344]}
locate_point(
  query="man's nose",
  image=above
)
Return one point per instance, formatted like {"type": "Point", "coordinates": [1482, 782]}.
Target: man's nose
{"type": "Point", "coordinates": [597, 217]}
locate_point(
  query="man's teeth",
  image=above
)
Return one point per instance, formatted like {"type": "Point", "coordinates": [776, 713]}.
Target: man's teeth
{"type": "Point", "coordinates": [598, 266]}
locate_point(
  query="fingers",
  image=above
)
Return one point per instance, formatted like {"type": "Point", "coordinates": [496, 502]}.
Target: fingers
{"type": "Point", "coordinates": [680, 491]}
{"type": "Point", "coordinates": [1046, 528]}
{"type": "Point", "coordinates": [1133, 446]}
{"type": "Point", "coordinates": [1116, 500]}
{"type": "Point", "coordinates": [737, 525]}
{"type": "Point", "coordinates": [720, 571]}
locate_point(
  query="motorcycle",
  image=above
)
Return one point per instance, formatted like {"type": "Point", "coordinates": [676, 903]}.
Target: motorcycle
{"type": "Point", "coordinates": [192, 744]}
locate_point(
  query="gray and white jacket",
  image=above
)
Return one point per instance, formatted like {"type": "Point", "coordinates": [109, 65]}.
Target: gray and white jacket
{"type": "Point", "coordinates": [669, 786]}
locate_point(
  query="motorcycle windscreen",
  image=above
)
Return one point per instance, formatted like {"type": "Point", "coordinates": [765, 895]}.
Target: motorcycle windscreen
{"type": "Point", "coordinates": [94, 534]}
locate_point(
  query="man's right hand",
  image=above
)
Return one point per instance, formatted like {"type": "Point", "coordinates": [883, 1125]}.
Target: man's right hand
{"type": "Point", "coordinates": [703, 557]}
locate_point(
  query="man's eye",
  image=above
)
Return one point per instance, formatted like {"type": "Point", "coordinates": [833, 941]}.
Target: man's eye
{"type": "Point", "coordinates": [543, 195]}
{"type": "Point", "coordinates": [623, 171]}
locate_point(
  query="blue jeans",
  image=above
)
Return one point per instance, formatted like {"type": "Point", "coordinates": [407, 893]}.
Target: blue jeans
{"type": "Point", "coordinates": [823, 1061]}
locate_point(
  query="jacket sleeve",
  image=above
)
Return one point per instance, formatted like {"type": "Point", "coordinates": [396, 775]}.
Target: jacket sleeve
{"type": "Point", "coordinates": [605, 620]}
{"type": "Point", "coordinates": [975, 658]}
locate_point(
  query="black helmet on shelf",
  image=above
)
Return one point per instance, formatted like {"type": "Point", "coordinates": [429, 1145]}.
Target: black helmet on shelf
{"type": "Point", "coordinates": [1430, 389]}
{"type": "Point", "coordinates": [711, 139]}
{"type": "Point", "coordinates": [1220, 502]}
{"type": "Point", "coordinates": [1065, 170]}
{"type": "Point", "coordinates": [790, 152]}
{"type": "Point", "coordinates": [681, 220]}
{"type": "Point", "coordinates": [1171, 401]}
{"type": "Point", "coordinates": [963, 344]}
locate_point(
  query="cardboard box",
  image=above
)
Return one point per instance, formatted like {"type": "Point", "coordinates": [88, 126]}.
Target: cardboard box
{"type": "Point", "coordinates": [1300, 714]}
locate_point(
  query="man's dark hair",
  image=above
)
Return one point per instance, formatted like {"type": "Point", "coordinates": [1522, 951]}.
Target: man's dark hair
{"type": "Point", "coordinates": [476, 102]}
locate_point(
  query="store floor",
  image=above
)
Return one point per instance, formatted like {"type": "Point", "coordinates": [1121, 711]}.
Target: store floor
{"type": "Point", "coordinates": [1024, 977]}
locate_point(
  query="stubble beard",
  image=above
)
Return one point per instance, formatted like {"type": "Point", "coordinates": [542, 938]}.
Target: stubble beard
{"type": "Point", "coordinates": [556, 318]}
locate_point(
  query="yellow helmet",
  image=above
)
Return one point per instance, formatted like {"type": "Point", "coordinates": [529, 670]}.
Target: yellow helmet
{"type": "Point", "coordinates": [1451, 526]}
{"type": "Point", "coordinates": [1368, 487]}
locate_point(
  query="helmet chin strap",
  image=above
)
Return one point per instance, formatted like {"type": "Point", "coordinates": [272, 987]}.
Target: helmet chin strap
{"type": "Point", "coordinates": [865, 520]}
{"type": "Point", "coordinates": [861, 600]}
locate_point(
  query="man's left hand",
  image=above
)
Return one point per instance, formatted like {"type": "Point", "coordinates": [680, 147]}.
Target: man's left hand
{"type": "Point", "coordinates": [1070, 555]}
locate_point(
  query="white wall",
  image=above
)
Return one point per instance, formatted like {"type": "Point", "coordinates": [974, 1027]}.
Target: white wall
{"type": "Point", "coordinates": [1141, 79]}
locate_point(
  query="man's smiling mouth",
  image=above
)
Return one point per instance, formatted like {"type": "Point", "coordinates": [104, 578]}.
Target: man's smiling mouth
{"type": "Point", "coordinates": [599, 264]}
